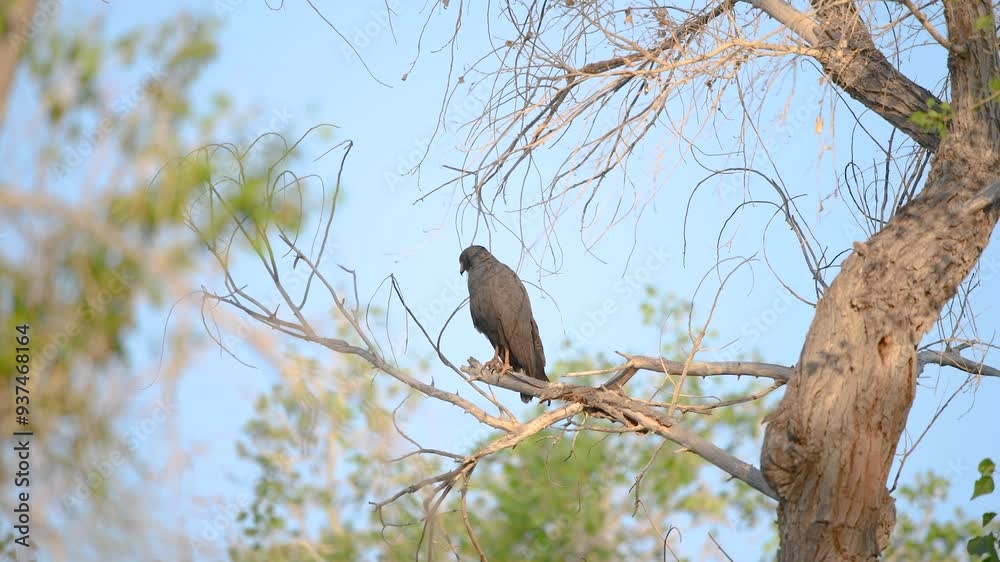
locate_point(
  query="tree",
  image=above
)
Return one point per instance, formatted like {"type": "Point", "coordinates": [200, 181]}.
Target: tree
{"type": "Point", "coordinates": [831, 441]}
{"type": "Point", "coordinates": [92, 219]}
{"type": "Point", "coordinates": [601, 82]}
{"type": "Point", "coordinates": [558, 496]}
{"type": "Point", "coordinates": [325, 446]}
{"type": "Point", "coordinates": [563, 495]}
{"type": "Point", "coordinates": [855, 380]}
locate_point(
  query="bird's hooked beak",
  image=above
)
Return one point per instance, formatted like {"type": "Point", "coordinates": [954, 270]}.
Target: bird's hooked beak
{"type": "Point", "coordinates": [461, 267]}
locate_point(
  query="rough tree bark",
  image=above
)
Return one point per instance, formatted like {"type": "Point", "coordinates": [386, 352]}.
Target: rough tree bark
{"type": "Point", "coordinates": [829, 445]}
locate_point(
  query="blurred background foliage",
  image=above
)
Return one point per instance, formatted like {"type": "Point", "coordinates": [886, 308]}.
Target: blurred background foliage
{"type": "Point", "coordinates": [106, 172]}
{"type": "Point", "coordinates": [565, 495]}
{"type": "Point", "coordinates": [81, 265]}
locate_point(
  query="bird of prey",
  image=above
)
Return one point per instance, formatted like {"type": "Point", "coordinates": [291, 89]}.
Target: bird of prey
{"type": "Point", "coordinates": [501, 311]}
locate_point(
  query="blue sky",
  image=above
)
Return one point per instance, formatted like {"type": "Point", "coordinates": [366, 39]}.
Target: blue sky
{"type": "Point", "coordinates": [287, 67]}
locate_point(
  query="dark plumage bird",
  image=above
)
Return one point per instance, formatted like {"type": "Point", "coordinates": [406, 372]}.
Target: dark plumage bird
{"type": "Point", "coordinates": [501, 311]}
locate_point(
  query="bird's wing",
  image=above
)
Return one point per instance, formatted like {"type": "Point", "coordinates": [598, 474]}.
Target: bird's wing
{"type": "Point", "coordinates": [539, 350]}
{"type": "Point", "coordinates": [517, 323]}
{"type": "Point", "coordinates": [483, 306]}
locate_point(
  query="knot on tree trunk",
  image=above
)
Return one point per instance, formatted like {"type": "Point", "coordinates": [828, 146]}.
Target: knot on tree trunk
{"type": "Point", "coordinates": [783, 455]}
{"type": "Point", "coordinates": [834, 520]}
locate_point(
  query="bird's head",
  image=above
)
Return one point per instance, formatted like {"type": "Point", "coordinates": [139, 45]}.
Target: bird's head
{"type": "Point", "coordinates": [471, 256]}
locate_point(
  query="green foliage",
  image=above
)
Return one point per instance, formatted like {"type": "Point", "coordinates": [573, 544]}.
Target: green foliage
{"type": "Point", "coordinates": [334, 416]}
{"type": "Point", "coordinates": [552, 498]}
{"type": "Point", "coordinates": [580, 491]}
{"type": "Point", "coordinates": [94, 226]}
{"type": "Point", "coordinates": [98, 279]}
{"type": "Point", "coordinates": [79, 285]}
{"type": "Point", "coordinates": [583, 491]}
{"type": "Point", "coordinates": [935, 119]}
{"type": "Point", "coordinates": [985, 544]}
{"type": "Point", "coordinates": [923, 535]}
{"type": "Point", "coordinates": [919, 535]}
{"type": "Point", "coordinates": [984, 485]}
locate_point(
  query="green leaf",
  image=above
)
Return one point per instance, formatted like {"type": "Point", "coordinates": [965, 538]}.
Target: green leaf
{"type": "Point", "coordinates": [983, 486]}
{"type": "Point", "coordinates": [988, 516]}
{"type": "Point", "coordinates": [986, 467]}
{"type": "Point", "coordinates": [982, 546]}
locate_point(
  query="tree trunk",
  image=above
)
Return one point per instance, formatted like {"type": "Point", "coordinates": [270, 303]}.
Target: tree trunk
{"type": "Point", "coordinates": [15, 18]}
{"type": "Point", "coordinates": [830, 443]}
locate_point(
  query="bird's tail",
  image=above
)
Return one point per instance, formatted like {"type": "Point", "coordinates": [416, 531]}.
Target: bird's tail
{"type": "Point", "coordinates": [536, 373]}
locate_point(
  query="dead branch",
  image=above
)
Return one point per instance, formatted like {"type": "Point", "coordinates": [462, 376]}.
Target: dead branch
{"type": "Point", "coordinates": [954, 359]}
{"type": "Point", "coordinates": [851, 59]}
{"type": "Point", "coordinates": [612, 404]}
{"type": "Point", "coordinates": [772, 371]}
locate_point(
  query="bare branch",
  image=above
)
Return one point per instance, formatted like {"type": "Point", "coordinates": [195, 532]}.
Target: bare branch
{"type": "Point", "coordinates": [954, 359]}
{"type": "Point", "coordinates": [853, 62]}
{"type": "Point", "coordinates": [783, 12]}
{"type": "Point", "coordinates": [922, 18]}
{"type": "Point", "coordinates": [613, 405]}
{"type": "Point", "coordinates": [467, 464]}
{"type": "Point", "coordinates": [988, 197]}
{"type": "Point", "coordinates": [779, 373]}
